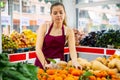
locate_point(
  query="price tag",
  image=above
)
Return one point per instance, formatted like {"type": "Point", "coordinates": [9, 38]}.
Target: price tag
{"type": "Point", "coordinates": [25, 21]}
{"type": "Point", "coordinates": [114, 20]}
{"type": "Point", "coordinates": [5, 20]}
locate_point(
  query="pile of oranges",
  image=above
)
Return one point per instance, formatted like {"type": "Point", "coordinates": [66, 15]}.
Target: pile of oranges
{"type": "Point", "coordinates": [75, 74]}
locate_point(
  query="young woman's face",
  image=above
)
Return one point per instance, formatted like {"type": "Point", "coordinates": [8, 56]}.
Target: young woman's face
{"type": "Point", "coordinates": [58, 14]}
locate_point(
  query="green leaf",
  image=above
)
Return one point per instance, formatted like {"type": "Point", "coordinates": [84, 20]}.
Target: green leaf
{"type": "Point", "coordinates": [27, 70]}
{"type": "Point", "coordinates": [33, 71]}
{"type": "Point", "coordinates": [108, 77]}
{"type": "Point", "coordinates": [51, 60]}
{"type": "Point", "coordinates": [16, 71]}
{"type": "Point", "coordinates": [6, 63]}
{"type": "Point", "coordinates": [81, 77]}
{"type": "Point", "coordinates": [87, 73]}
{"type": "Point", "coordinates": [23, 69]}
{"type": "Point", "coordinates": [1, 76]}
{"type": "Point", "coordinates": [7, 78]}
{"type": "Point", "coordinates": [4, 56]}
{"type": "Point", "coordinates": [12, 74]}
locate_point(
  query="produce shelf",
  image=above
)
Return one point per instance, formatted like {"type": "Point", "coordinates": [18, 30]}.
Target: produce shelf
{"type": "Point", "coordinates": [16, 57]}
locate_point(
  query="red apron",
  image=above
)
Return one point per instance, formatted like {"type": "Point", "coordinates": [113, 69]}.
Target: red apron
{"type": "Point", "coordinates": [53, 47]}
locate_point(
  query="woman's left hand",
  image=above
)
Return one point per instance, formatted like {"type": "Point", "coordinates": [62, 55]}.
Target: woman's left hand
{"type": "Point", "coordinates": [77, 65]}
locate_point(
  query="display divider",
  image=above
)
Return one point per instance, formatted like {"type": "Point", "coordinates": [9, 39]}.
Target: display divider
{"type": "Point", "coordinates": [31, 55]}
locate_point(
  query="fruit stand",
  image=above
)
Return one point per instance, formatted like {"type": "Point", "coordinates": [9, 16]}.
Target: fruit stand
{"type": "Point", "coordinates": [92, 59]}
{"type": "Point", "coordinates": [92, 70]}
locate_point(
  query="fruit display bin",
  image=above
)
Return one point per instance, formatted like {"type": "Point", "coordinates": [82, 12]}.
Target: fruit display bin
{"type": "Point", "coordinates": [20, 50]}
{"type": "Point", "coordinates": [82, 51]}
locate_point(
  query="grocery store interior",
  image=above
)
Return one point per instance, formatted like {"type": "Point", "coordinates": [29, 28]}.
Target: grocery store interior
{"type": "Point", "coordinates": [96, 26]}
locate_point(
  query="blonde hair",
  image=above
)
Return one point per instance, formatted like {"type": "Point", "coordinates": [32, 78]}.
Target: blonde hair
{"type": "Point", "coordinates": [56, 4]}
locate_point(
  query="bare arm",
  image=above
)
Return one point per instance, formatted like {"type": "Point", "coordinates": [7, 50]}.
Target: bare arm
{"type": "Point", "coordinates": [72, 49]}
{"type": "Point", "coordinates": [71, 44]}
{"type": "Point", "coordinates": [39, 44]}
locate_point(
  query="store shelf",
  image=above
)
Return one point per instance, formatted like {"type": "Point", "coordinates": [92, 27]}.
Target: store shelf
{"type": "Point", "coordinates": [16, 57]}
{"type": "Point", "coordinates": [110, 51]}
{"type": "Point", "coordinates": [32, 54]}
{"type": "Point", "coordinates": [90, 50]}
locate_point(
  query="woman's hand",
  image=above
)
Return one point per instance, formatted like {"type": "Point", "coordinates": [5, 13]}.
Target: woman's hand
{"type": "Point", "coordinates": [48, 66]}
{"type": "Point", "coordinates": [51, 66]}
{"type": "Point", "coordinates": [76, 65]}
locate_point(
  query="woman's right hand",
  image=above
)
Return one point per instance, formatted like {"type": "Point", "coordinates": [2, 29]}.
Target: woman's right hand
{"type": "Point", "coordinates": [48, 66]}
{"type": "Point", "coordinates": [51, 66]}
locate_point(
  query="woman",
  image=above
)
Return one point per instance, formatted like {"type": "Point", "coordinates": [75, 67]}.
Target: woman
{"type": "Point", "coordinates": [52, 37]}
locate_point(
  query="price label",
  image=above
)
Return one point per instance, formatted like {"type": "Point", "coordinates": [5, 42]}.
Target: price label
{"type": "Point", "coordinates": [5, 20]}
{"type": "Point", "coordinates": [114, 20]}
{"type": "Point", "coordinates": [25, 21]}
